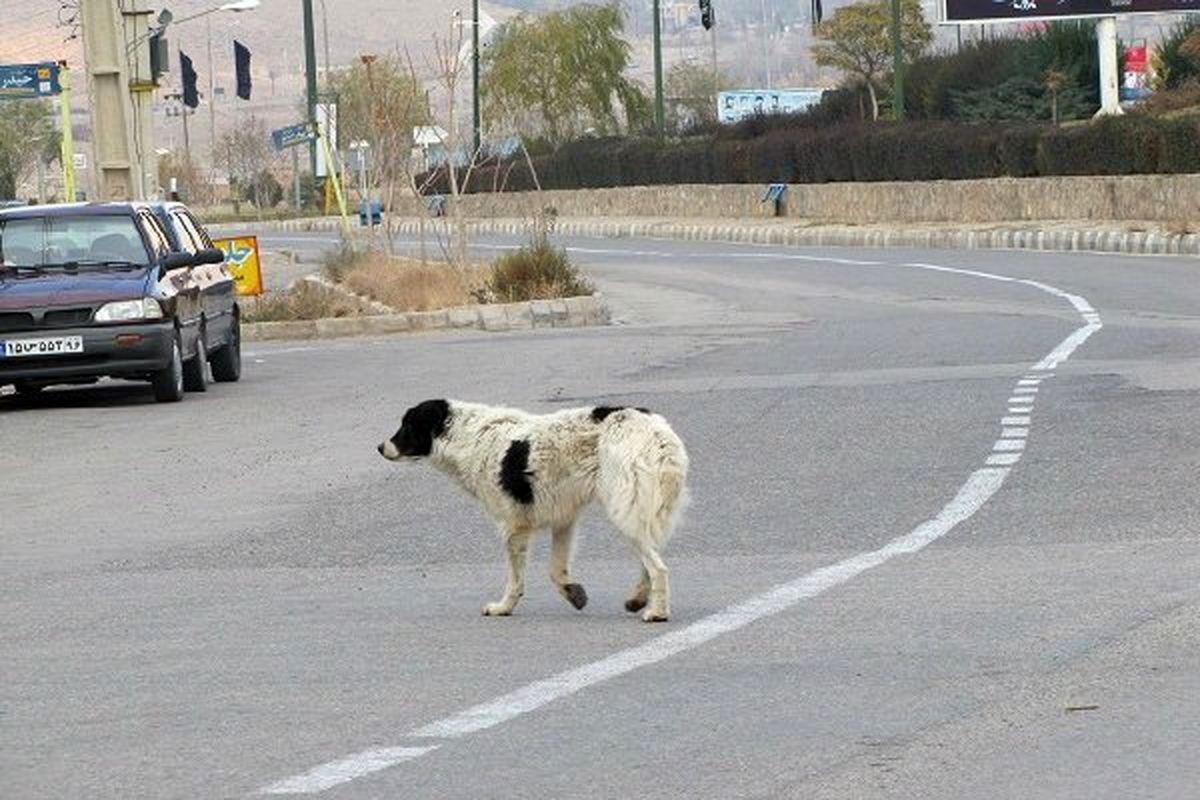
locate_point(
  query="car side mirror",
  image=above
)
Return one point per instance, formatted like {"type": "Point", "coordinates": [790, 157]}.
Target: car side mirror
{"type": "Point", "coordinates": [211, 255]}
{"type": "Point", "coordinates": [178, 261]}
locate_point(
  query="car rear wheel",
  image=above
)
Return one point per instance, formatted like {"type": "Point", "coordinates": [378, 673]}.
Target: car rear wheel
{"type": "Point", "coordinates": [168, 381]}
{"type": "Point", "coordinates": [227, 360]}
{"type": "Point", "coordinates": [195, 369]}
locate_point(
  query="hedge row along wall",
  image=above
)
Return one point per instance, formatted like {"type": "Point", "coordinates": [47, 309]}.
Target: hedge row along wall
{"type": "Point", "coordinates": [876, 152]}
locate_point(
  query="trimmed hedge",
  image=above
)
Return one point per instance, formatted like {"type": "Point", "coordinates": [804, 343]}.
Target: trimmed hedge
{"type": "Point", "coordinates": [919, 151]}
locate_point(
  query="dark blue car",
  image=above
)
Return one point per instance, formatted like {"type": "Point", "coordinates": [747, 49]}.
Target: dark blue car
{"type": "Point", "coordinates": [121, 290]}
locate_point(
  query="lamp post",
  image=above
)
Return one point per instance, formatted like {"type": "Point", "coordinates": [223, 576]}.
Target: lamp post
{"type": "Point", "coordinates": [660, 115]}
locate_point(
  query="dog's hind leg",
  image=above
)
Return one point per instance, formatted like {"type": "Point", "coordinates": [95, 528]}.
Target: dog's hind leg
{"type": "Point", "coordinates": [517, 545]}
{"type": "Point", "coordinates": [561, 542]}
{"type": "Point", "coordinates": [659, 599]}
{"type": "Point", "coordinates": [641, 594]}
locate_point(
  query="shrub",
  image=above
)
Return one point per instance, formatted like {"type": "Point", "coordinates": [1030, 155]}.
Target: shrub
{"type": "Point", "coordinates": [538, 271]}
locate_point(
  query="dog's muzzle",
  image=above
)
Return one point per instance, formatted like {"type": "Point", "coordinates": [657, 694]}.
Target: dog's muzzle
{"type": "Point", "coordinates": [389, 451]}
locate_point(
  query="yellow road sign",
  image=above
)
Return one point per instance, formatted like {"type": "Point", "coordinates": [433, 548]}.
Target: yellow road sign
{"type": "Point", "coordinates": [241, 257]}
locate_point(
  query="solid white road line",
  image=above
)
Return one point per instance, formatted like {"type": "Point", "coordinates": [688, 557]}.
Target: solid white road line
{"type": "Point", "coordinates": [974, 493]}
{"type": "Point", "coordinates": [1014, 433]}
{"type": "Point", "coordinates": [329, 775]}
{"type": "Point", "coordinates": [1015, 421]}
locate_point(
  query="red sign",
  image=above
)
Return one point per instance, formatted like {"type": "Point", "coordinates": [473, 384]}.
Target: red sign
{"type": "Point", "coordinates": [1135, 59]}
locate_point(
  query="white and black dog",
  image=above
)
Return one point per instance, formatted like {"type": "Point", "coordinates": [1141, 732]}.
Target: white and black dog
{"type": "Point", "coordinates": [538, 471]}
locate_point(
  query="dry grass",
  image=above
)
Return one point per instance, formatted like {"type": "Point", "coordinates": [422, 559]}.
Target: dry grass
{"type": "Point", "coordinates": [409, 285]}
{"type": "Point", "coordinates": [303, 302]}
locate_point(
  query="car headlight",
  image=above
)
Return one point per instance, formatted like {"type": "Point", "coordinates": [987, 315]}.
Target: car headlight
{"type": "Point", "coordinates": [130, 311]}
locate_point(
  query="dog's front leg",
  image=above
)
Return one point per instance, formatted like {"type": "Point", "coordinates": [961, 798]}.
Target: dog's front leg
{"type": "Point", "coordinates": [561, 543]}
{"type": "Point", "coordinates": [516, 542]}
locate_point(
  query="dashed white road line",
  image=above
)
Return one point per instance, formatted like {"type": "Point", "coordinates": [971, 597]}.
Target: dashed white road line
{"type": "Point", "coordinates": [979, 487]}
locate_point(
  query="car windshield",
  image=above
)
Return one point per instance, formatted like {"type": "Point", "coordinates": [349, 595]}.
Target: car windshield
{"type": "Point", "coordinates": [71, 241]}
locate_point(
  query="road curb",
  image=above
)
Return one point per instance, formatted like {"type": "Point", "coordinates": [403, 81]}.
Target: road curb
{"type": "Point", "coordinates": [1011, 237]}
{"type": "Point", "coordinates": [571, 312]}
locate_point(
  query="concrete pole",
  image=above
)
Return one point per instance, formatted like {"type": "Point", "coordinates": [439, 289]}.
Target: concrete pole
{"type": "Point", "coordinates": [141, 89]}
{"type": "Point", "coordinates": [112, 112]}
{"type": "Point", "coordinates": [1110, 92]}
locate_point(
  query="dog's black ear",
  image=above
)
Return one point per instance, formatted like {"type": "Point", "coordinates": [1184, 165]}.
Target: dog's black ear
{"type": "Point", "coordinates": [422, 424]}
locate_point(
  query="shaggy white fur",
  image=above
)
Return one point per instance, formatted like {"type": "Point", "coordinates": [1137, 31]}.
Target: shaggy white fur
{"type": "Point", "coordinates": [538, 471]}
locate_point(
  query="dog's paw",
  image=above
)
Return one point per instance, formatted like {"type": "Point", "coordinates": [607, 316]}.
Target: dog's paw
{"type": "Point", "coordinates": [635, 604]}
{"type": "Point", "coordinates": [655, 616]}
{"type": "Point", "coordinates": [497, 610]}
{"type": "Point", "coordinates": [575, 594]}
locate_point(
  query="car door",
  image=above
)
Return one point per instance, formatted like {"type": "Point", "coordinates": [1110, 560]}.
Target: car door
{"type": "Point", "coordinates": [181, 295]}
{"type": "Point", "coordinates": [215, 281]}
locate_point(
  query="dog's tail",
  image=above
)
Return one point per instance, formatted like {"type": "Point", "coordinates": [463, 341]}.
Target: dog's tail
{"type": "Point", "coordinates": [642, 479]}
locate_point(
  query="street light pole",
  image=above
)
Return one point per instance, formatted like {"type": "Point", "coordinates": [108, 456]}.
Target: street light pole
{"type": "Point", "coordinates": [897, 65]}
{"type": "Point", "coordinates": [475, 78]}
{"type": "Point", "coordinates": [660, 115]}
{"type": "Point", "coordinates": [310, 71]}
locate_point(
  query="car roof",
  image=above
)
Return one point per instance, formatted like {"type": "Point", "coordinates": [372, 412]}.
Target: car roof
{"type": "Point", "coordinates": [75, 210]}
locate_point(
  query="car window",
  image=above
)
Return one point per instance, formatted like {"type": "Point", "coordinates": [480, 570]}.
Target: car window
{"type": "Point", "coordinates": [22, 242]}
{"type": "Point", "coordinates": [198, 231]}
{"type": "Point", "coordinates": [189, 240]}
{"type": "Point", "coordinates": [157, 237]}
{"type": "Point", "coordinates": [51, 240]}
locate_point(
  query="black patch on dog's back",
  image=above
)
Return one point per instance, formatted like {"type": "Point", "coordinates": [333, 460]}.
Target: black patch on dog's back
{"type": "Point", "coordinates": [422, 424]}
{"type": "Point", "coordinates": [515, 474]}
{"type": "Point", "coordinates": [601, 413]}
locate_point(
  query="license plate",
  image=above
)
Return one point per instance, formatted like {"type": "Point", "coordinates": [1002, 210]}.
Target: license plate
{"type": "Point", "coordinates": [51, 346]}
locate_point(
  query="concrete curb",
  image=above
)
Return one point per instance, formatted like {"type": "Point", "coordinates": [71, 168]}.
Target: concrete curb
{"type": "Point", "coordinates": [572, 312]}
{"type": "Point", "coordinates": [1058, 237]}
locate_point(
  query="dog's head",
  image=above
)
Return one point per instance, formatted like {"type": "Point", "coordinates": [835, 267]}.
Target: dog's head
{"type": "Point", "coordinates": [422, 424]}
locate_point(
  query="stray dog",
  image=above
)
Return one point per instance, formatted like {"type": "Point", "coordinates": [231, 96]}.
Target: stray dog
{"type": "Point", "coordinates": [538, 471]}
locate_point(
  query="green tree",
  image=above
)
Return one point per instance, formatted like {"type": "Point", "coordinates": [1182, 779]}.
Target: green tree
{"type": "Point", "coordinates": [857, 40]}
{"type": "Point", "coordinates": [561, 74]}
{"type": "Point", "coordinates": [373, 96]}
{"type": "Point", "coordinates": [1177, 59]}
{"type": "Point", "coordinates": [27, 133]}
{"type": "Point", "coordinates": [692, 88]}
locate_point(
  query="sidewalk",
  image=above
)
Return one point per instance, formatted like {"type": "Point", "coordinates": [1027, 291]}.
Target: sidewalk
{"type": "Point", "coordinates": [1147, 238]}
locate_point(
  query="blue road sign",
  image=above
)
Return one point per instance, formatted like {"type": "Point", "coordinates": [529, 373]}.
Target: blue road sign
{"type": "Point", "coordinates": [28, 81]}
{"type": "Point", "coordinates": [292, 135]}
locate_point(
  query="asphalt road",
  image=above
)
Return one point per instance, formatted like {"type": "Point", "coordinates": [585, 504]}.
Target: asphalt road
{"type": "Point", "coordinates": [874, 595]}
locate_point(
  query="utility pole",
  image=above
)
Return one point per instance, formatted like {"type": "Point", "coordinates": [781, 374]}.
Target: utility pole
{"type": "Point", "coordinates": [212, 106]}
{"type": "Point", "coordinates": [116, 163]}
{"type": "Point", "coordinates": [897, 65]}
{"type": "Point", "coordinates": [660, 114]}
{"type": "Point", "coordinates": [310, 73]}
{"type": "Point", "coordinates": [475, 77]}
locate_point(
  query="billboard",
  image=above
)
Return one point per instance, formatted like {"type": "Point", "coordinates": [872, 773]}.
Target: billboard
{"type": "Point", "coordinates": [738, 104]}
{"type": "Point", "coordinates": [1008, 10]}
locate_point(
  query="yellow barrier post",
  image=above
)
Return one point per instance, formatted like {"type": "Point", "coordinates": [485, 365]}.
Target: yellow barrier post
{"type": "Point", "coordinates": [331, 172]}
{"type": "Point", "coordinates": [68, 140]}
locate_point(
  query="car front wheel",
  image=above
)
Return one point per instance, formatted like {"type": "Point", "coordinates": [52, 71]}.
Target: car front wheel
{"type": "Point", "coordinates": [168, 381]}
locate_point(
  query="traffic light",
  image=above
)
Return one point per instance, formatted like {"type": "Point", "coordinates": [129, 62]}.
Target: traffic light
{"type": "Point", "coordinates": [241, 58]}
{"type": "Point", "coordinates": [191, 97]}
{"type": "Point", "coordinates": [707, 17]}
